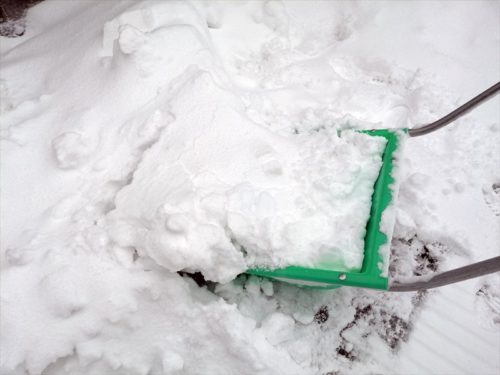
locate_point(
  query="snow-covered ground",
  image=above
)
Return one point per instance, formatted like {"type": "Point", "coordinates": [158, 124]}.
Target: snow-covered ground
{"type": "Point", "coordinates": [89, 97]}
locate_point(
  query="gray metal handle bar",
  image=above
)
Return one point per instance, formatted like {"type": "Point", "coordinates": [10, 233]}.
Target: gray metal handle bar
{"type": "Point", "coordinates": [471, 271]}
{"type": "Point", "coordinates": [459, 112]}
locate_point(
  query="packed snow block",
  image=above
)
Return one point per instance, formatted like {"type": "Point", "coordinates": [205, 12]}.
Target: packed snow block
{"type": "Point", "coordinates": [219, 193]}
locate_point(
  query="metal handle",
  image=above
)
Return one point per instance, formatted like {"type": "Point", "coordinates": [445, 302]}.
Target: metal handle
{"type": "Point", "coordinates": [459, 112]}
{"type": "Point", "coordinates": [471, 271]}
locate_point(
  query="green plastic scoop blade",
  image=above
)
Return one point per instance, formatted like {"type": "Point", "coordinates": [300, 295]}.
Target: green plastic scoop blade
{"type": "Point", "coordinates": [370, 275]}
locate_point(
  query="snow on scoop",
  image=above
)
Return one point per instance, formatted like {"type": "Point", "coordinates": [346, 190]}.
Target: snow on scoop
{"type": "Point", "coordinates": [374, 271]}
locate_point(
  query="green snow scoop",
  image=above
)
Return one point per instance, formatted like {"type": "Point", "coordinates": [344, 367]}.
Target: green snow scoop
{"type": "Point", "coordinates": [370, 275]}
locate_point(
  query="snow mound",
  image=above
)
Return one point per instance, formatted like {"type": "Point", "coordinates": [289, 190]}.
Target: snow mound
{"type": "Point", "coordinates": [218, 193]}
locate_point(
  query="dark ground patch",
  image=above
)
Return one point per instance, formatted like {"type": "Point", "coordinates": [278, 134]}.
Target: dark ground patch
{"type": "Point", "coordinates": [322, 315]}
{"type": "Point", "coordinates": [12, 16]}
{"type": "Point", "coordinates": [373, 313]}
{"type": "Point", "coordinates": [198, 278]}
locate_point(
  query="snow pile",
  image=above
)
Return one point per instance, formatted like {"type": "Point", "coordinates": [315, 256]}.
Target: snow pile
{"type": "Point", "coordinates": [204, 187]}
{"type": "Point", "coordinates": [112, 147]}
{"type": "Point", "coordinates": [216, 183]}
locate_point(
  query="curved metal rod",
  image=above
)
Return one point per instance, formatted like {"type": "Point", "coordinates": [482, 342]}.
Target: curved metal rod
{"type": "Point", "coordinates": [460, 111]}
{"type": "Point", "coordinates": [471, 271]}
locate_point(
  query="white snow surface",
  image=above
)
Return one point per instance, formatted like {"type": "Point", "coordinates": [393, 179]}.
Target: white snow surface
{"type": "Point", "coordinates": [215, 181]}
{"type": "Point", "coordinates": [95, 99]}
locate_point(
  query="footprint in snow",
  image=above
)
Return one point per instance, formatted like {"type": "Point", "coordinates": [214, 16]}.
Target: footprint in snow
{"type": "Point", "coordinates": [491, 195]}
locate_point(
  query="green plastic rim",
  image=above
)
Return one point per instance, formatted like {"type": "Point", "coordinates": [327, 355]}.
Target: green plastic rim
{"type": "Point", "coordinates": [369, 276]}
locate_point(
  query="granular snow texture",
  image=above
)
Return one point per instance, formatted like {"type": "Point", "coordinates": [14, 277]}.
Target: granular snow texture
{"type": "Point", "coordinates": [220, 194]}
